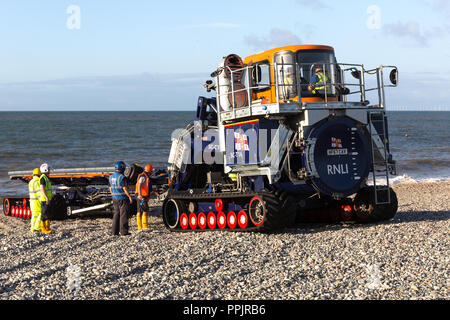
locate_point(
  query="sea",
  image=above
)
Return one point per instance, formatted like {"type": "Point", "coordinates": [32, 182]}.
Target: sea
{"type": "Point", "coordinates": [418, 142]}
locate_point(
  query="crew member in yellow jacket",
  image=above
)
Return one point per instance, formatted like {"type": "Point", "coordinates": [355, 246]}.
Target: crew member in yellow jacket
{"type": "Point", "coordinates": [45, 196]}
{"type": "Point", "coordinates": [35, 203]}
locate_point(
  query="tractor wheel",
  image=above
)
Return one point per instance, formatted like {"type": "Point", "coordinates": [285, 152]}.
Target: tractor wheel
{"type": "Point", "coordinates": [366, 210]}
{"type": "Point", "coordinates": [272, 210]}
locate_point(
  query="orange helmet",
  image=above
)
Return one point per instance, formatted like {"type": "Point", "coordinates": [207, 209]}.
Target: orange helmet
{"type": "Point", "coordinates": [148, 168]}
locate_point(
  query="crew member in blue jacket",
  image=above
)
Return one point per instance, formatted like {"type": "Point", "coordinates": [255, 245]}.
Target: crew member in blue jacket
{"type": "Point", "coordinates": [121, 200]}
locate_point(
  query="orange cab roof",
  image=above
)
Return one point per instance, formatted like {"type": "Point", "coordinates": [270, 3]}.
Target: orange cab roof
{"type": "Point", "coordinates": [269, 53]}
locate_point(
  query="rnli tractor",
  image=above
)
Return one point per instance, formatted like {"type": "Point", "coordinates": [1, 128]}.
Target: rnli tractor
{"type": "Point", "coordinates": [290, 135]}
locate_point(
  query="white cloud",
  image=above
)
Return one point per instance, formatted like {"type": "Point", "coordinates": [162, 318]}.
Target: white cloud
{"type": "Point", "coordinates": [413, 31]}
{"type": "Point", "coordinates": [276, 38]}
{"type": "Point", "coordinates": [213, 25]}
{"type": "Point", "coordinates": [313, 4]}
{"type": "Point", "coordinates": [442, 7]}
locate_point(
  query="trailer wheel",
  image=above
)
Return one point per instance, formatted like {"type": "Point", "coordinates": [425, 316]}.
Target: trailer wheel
{"type": "Point", "coordinates": [58, 208]}
{"type": "Point", "coordinates": [6, 206]}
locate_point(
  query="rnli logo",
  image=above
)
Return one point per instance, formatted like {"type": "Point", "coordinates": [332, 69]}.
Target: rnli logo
{"type": "Point", "coordinates": [337, 150]}
{"type": "Point", "coordinates": [336, 143]}
{"type": "Point", "coordinates": [241, 142]}
{"type": "Point", "coordinates": [340, 169]}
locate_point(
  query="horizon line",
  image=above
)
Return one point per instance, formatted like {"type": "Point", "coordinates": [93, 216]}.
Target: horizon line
{"type": "Point", "coordinates": [445, 109]}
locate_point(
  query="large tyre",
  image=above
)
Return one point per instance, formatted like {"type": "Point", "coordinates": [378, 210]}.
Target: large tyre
{"type": "Point", "coordinates": [272, 210]}
{"type": "Point", "coordinates": [57, 209]}
{"type": "Point", "coordinates": [366, 210]}
{"type": "Point", "coordinates": [132, 172]}
{"type": "Point", "coordinates": [133, 208]}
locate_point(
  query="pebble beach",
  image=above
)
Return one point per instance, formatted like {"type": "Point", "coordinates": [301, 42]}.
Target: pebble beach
{"type": "Point", "coordinates": [402, 259]}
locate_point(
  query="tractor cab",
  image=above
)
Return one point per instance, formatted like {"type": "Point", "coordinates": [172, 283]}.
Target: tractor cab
{"type": "Point", "coordinates": [287, 73]}
{"type": "Point", "coordinates": [288, 79]}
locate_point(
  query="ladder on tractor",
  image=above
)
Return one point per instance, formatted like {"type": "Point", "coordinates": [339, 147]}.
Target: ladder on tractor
{"type": "Point", "coordinates": [379, 154]}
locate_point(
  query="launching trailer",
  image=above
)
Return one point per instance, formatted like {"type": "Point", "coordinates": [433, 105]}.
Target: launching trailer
{"type": "Point", "coordinates": [79, 190]}
{"type": "Point", "coordinates": [290, 135]}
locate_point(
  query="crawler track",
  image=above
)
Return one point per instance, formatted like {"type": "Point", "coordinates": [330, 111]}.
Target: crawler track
{"type": "Point", "coordinates": [265, 211]}
{"type": "Point", "coordinates": [241, 212]}
{"type": "Point", "coordinates": [16, 207]}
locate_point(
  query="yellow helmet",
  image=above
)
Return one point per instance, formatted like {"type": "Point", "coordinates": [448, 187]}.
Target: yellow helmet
{"type": "Point", "coordinates": [36, 172]}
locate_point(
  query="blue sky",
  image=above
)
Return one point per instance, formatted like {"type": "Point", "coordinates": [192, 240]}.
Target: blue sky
{"type": "Point", "coordinates": [155, 55]}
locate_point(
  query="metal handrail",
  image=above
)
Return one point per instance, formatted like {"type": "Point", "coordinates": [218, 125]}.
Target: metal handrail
{"type": "Point", "coordinates": [334, 83]}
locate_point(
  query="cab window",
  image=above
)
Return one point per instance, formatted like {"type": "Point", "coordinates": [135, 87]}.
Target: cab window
{"type": "Point", "coordinates": [260, 74]}
{"type": "Point", "coordinates": [286, 75]}
{"type": "Point", "coordinates": [308, 60]}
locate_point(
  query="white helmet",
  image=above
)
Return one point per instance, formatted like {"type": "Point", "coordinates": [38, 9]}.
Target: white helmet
{"type": "Point", "coordinates": [45, 168]}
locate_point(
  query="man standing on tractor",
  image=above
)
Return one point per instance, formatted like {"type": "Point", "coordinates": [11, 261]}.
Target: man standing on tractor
{"type": "Point", "coordinates": [35, 204]}
{"type": "Point", "coordinates": [144, 190]}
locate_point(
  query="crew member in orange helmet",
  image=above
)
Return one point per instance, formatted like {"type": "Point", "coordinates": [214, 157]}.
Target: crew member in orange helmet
{"type": "Point", "coordinates": [144, 190]}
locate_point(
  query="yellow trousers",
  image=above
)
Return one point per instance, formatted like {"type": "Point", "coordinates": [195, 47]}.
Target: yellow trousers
{"type": "Point", "coordinates": [35, 207]}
